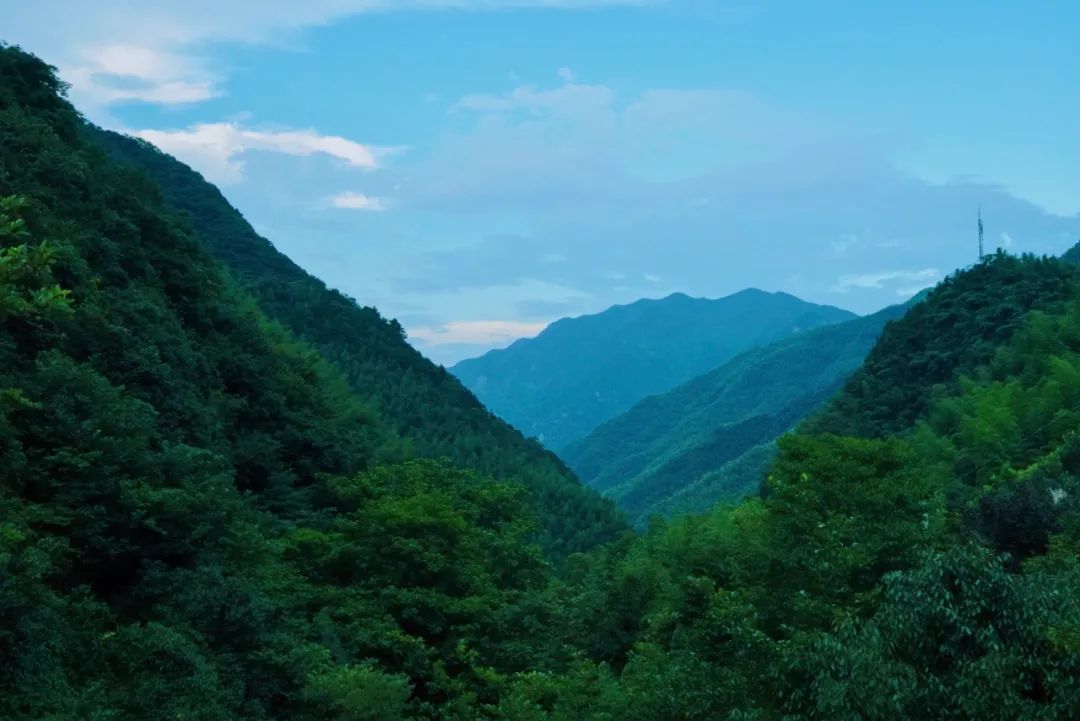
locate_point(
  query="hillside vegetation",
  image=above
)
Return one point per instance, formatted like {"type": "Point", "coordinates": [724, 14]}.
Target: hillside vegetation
{"type": "Point", "coordinates": [712, 438]}
{"type": "Point", "coordinates": [930, 573]}
{"type": "Point", "coordinates": [423, 404]}
{"type": "Point", "coordinates": [200, 519]}
{"type": "Point", "coordinates": [970, 316]}
{"type": "Point", "coordinates": [583, 371]}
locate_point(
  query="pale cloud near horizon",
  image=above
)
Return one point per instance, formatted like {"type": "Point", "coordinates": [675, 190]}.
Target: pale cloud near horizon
{"type": "Point", "coordinates": [926, 276]}
{"type": "Point", "coordinates": [476, 332]}
{"type": "Point", "coordinates": [216, 149]}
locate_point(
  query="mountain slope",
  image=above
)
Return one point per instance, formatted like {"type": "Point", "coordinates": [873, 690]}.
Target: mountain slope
{"type": "Point", "coordinates": [582, 371]}
{"type": "Point", "coordinates": [967, 317]}
{"type": "Point", "coordinates": [423, 403]}
{"type": "Point", "coordinates": [692, 440]}
{"type": "Point", "coordinates": [198, 518]}
{"type": "Point", "coordinates": [930, 572]}
{"type": "Point", "coordinates": [1072, 255]}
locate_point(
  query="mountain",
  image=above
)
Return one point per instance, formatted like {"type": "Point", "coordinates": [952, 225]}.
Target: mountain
{"type": "Point", "coordinates": [582, 371]}
{"type": "Point", "coordinates": [928, 569]}
{"type": "Point", "coordinates": [1072, 255]}
{"type": "Point", "coordinates": [424, 405]}
{"type": "Point", "coordinates": [971, 316]}
{"type": "Point", "coordinates": [202, 514]}
{"type": "Point", "coordinates": [712, 438]}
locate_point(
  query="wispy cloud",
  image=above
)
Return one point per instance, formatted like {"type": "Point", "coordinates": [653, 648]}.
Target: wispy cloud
{"type": "Point", "coordinates": [123, 72]}
{"type": "Point", "coordinates": [358, 201]}
{"type": "Point", "coordinates": [151, 51]}
{"type": "Point", "coordinates": [570, 99]}
{"type": "Point", "coordinates": [844, 243]}
{"type": "Point", "coordinates": [926, 276]}
{"type": "Point", "coordinates": [216, 149]}
{"type": "Point", "coordinates": [476, 332]}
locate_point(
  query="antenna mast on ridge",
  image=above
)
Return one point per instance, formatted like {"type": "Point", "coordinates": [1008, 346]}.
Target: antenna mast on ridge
{"type": "Point", "coordinates": [980, 234]}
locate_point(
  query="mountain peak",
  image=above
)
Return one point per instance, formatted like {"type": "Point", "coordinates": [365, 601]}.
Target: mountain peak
{"type": "Point", "coordinates": [581, 371]}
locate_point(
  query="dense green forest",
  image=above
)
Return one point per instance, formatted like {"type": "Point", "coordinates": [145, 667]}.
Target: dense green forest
{"type": "Point", "coordinates": [203, 518]}
{"type": "Point", "coordinates": [970, 315]}
{"type": "Point", "coordinates": [580, 372]}
{"type": "Point", "coordinates": [191, 489]}
{"type": "Point", "coordinates": [712, 438]}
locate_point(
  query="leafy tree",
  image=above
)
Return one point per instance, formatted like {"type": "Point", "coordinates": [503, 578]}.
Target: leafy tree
{"type": "Point", "coordinates": [957, 638]}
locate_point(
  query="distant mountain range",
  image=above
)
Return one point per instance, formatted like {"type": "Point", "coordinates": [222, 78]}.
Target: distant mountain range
{"type": "Point", "coordinates": [583, 371]}
{"type": "Point", "coordinates": [712, 438]}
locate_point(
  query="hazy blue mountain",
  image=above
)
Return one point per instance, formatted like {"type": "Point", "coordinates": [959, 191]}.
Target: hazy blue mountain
{"type": "Point", "coordinates": [582, 371]}
{"type": "Point", "coordinates": [712, 438]}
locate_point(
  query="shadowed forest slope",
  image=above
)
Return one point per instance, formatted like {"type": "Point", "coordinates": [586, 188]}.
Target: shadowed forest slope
{"type": "Point", "coordinates": [709, 440]}
{"type": "Point", "coordinates": [423, 403]}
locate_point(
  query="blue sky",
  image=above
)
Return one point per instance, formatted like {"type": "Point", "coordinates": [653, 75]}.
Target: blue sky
{"type": "Point", "coordinates": [478, 168]}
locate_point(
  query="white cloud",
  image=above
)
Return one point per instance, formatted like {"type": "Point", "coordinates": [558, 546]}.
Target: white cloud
{"type": "Point", "coordinates": [910, 291]}
{"type": "Point", "coordinates": [568, 100]}
{"type": "Point", "coordinates": [117, 72]}
{"type": "Point", "coordinates": [216, 149]}
{"type": "Point", "coordinates": [358, 201]}
{"type": "Point", "coordinates": [844, 243]}
{"type": "Point", "coordinates": [476, 332]}
{"type": "Point", "coordinates": [1006, 240]}
{"type": "Point", "coordinates": [144, 51]}
{"type": "Point", "coordinates": [863, 281]}
{"type": "Point", "coordinates": [568, 75]}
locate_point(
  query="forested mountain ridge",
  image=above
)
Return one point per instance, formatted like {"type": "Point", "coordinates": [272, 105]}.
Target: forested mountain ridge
{"type": "Point", "coordinates": [712, 438]}
{"type": "Point", "coordinates": [582, 371]}
{"type": "Point", "coordinates": [930, 573]}
{"type": "Point", "coordinates": [199, 518]}
{"type": "Point", "coordinates": [962, 324]}
{"type": "Point", "coordinates": [425, 404]}
{"type": "Point", "coordinates": [1072, 255]}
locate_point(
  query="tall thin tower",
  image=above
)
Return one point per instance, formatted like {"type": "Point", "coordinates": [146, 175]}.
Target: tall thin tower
{"type": "Point", "coordinates": [980, 234]}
